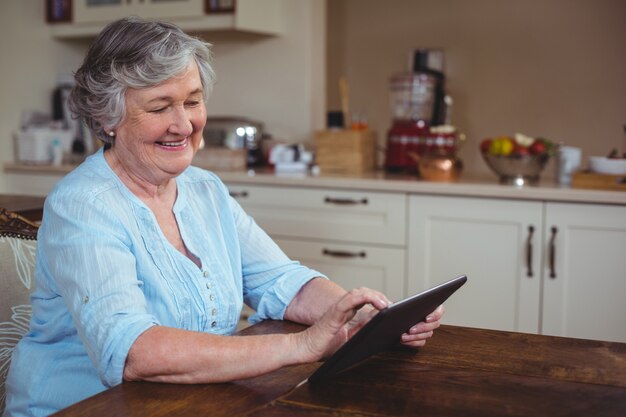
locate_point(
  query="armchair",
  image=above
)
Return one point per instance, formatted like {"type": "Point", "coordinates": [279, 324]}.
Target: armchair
{"type": "Point", "coordinates": [17, 264]}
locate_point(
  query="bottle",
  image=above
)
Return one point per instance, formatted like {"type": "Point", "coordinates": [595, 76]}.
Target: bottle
{"type": "Point", "coordinates": [57, 152]}
{"type": "Point", "coordinates": [358, 121]}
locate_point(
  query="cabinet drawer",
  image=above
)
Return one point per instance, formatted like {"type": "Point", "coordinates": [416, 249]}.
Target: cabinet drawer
{"type": "Point", "coordinates": [327, 214]}
{"type": "Point", "coordinates": [352, 266]}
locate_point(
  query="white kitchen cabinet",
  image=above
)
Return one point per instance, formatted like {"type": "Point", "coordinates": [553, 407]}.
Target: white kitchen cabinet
{"type": "Point", "coordinates": [578, 272]}
{"type": "Point", "coordinates": [96, 11]}
{"type": "Point", "coordinates": [487, 240]}
{"type": "Point", "coordinates": [356, 238]}
{"type": "Point", "coordinates": [585, 285]}
{"type": "Point", "coordinates": [254, 16]}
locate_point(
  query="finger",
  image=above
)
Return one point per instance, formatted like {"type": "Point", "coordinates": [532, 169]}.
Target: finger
{"type": "Point", "coordinates": [346, 308]}
{"type": "Point", "coordinates": [357, 298]}
{"type": "Point", "coordinates": [436, 315]}
{"type": "Point", "coordinates": [414, 344]}
{"type": "Point", "coordinates": [423, 327]}
{"type": "Point", "coordinates": [408, 338]}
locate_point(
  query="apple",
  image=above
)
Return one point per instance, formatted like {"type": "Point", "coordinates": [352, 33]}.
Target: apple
{"type": "Point", "coordinates": [520, 150]}
{"type": "Point", "coordinates": [538, 147]}
{"type": "Point", "coordinates": [484, 145]}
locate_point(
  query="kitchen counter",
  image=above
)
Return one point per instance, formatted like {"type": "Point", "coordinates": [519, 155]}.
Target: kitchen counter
{"type": "Point", "coordinates": [470, 186]}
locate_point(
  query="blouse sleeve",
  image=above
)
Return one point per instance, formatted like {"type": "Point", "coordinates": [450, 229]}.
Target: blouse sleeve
{"type": "Point", "coordinates": [270, 279]}
{"type": "Point", "coordinates": [86, 253]}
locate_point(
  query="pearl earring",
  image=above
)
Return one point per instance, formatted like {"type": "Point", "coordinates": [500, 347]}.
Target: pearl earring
{"type": "Point", "coordinates": [111, 133]}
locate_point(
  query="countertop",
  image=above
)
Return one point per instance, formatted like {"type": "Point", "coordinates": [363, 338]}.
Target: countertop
{"type": "Point", "coordinates": [468, 186]}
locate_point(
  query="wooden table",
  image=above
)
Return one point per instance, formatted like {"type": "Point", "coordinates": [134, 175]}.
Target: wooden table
{"type": "Point", "coordinates": [30, 207]}
{"type": "Point", "coordinates": [460, 372]}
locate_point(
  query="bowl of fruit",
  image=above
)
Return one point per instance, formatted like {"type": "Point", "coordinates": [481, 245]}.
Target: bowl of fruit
{"type": "Point", "coordinates": [517, 159]}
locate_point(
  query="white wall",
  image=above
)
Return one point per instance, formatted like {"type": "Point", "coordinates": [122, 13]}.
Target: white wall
{"type": "Point", "coordinates": [277, 80]}
{"type": "Point", "coordinates": [29, 64]}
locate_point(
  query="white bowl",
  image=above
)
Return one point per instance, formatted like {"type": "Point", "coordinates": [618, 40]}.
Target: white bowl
{"type": "Point", "coordinates": [604, 165]}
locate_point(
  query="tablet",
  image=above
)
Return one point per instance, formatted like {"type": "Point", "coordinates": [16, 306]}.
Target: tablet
{"type": "Point", "coordinates": [385, 328]}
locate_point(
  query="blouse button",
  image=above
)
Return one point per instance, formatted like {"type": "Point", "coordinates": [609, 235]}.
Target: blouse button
{"type": "Point", "coordinates": [86, 299]}
{"type": "Point", "coordinates": [214, 312]}
{"type": "Point", "coordinates": [208, 286]}
{"type": "Point", "coordinates": [212, 297]}
{"type": "Point", "coordinates": [206, 274]}
{"type": "Point", "coordinates": [213, 324]}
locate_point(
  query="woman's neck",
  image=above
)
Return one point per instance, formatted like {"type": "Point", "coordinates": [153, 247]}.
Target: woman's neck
{"type": "Point", "coordinates": [144, 188]}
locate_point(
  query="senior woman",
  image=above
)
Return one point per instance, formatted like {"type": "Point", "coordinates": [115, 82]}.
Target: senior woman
{"type": "Point", "coordinates": [144, 262]}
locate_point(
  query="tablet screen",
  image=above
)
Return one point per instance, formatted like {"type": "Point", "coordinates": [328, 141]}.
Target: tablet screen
{"type": "Point", "coordinates": [385, 328]}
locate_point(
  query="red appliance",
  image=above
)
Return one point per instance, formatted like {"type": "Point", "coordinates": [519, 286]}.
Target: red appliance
{"type": "Point", "coordinates": [417, 101]}
{"type": "Point", "coordinates": [403, 137]}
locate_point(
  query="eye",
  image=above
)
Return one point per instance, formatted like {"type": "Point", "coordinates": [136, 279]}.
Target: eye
{"type": "Point", "coordinates": [193, 103]}
{"type": "Point", "coordinates": [159, 110]}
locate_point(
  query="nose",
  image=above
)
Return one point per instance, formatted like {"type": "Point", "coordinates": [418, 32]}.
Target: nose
{"type": "Point", "coordinates": [181, 122]}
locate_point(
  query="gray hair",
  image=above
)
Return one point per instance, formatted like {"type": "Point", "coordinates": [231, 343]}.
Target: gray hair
{"type": "Point", "coordinates": [132, 53]}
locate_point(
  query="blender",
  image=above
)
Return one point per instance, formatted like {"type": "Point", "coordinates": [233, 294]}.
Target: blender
{"type": "Point", "coordinates": [417, 100]}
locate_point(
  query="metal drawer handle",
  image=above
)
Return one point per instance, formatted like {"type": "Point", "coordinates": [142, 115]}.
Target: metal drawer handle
{"type": "Point", "coordinates": [241, 194]}
{"type": "Point", "coordinates": [553, 252]}
{"type": "Point", "coordinates": [529, 251]}
{"type": "Point", "coordinates": [345, 201]}
{"type": "Point", "coordinates": [343, 254]}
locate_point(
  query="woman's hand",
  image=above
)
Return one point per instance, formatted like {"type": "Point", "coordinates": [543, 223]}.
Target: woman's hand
{"type": "Point", "coordinates": [417, 335]}
{"type": "Point", "coordinates": [350, 314]}
{"type": "Point", "coordinates": [340, 322]}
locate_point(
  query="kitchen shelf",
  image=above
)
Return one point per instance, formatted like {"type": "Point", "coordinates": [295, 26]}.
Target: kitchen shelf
{"type": "Point", "coordinates": [262, 17]}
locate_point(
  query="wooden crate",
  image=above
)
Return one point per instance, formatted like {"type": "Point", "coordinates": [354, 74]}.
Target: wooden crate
{"type": "Point", "coordinates": [592, 180]}
{"type": "Point", "coordinates": [220, 159]}
{"type": "Point", "coordinates": [345, 151]}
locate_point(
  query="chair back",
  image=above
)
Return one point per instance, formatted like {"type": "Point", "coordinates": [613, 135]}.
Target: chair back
{"type": "Point", "coordinates": [17, 264]}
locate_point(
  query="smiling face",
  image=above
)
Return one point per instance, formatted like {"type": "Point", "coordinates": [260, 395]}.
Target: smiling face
{"type": "Point", "coordinates": [161, 130]}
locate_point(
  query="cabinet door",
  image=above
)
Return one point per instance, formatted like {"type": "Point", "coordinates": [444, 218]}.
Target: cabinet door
{"type": "Point", "coordinates": [168, 9]}
{"type": "Point", "coordinates": [489, 241]}
{"type": "Point", "coordinates": [352, 266]}
{"type": "Point", "coordinates": [104, 11]}
{"type": "Point", "coordinates": [584, 288]}
{"type": "Point", "coordinates": [89, 11]}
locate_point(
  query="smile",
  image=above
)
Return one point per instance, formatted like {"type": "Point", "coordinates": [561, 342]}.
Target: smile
{"type": "Point", "coordinates": [176, 144]}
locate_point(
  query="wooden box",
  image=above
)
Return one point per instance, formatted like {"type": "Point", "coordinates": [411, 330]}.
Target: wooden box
{"type": "Point", "coordinates": [592, 180]}
{"type": "Point", "coordinates": [345, 151]}
{"type": "Point", "coordinates": [220, 159]}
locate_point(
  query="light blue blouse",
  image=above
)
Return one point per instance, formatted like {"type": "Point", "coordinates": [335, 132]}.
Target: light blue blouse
{"type": "Point", "coordinates": [105, 273]}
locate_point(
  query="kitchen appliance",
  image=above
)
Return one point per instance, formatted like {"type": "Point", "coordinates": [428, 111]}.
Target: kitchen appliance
{"type": "Point", "coordinates": [234, 133]}
{"type": "Point", "coordinates": [418, 102]}
{"type": "Point", "coordinates": [36, 145]}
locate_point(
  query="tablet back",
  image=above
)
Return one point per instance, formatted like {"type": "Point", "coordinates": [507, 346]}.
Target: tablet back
{"type": "Point", "coordinates": [384, 330]}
